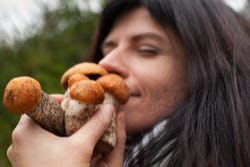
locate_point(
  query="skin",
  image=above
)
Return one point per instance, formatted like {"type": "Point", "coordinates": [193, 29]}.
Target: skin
{"type": "Point", "coordinates": [151, 60]}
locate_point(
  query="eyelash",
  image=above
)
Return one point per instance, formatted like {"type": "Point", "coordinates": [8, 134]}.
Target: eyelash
{"type": "Point", "coordinates": [143, 49]}
{"type": "Point", "coordinates": [148, 49]}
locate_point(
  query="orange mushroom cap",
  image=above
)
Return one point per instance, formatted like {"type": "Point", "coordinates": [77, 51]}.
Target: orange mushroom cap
{"type": "Point", "coordinates": [87, 68]}
{"type": "Point", "coordinates": [116, 85]}
{"type": "Point", "coordinates": [87, 91]}
{"type": "Point", "coordinates": [22, 94]}
{"type": "Point", "coordinates": [76, 78]}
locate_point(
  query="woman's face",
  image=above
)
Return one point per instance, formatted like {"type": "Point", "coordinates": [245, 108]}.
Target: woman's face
{"type": "Point", "coordinates": [153, 63]}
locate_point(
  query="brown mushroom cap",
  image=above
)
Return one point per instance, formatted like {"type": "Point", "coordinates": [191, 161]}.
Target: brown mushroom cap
{"type": "Point", "coordinates": [76, 78]}
{"type": "Point", "coordinates": [86, 68]}
{"type": "Point", "coordinates": [116, 85]}
{"type": "Point", "coordinates": [22, 94]}
{"type": "Point", "coordinates": [87, 91]}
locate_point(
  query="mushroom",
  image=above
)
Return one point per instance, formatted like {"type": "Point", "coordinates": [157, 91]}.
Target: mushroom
{"type": "Point", "coordinates": [116, 92]}
{"type": "Point", "coordinates": [24, 95]}
{"type": "Point", "coordinates": [87, 81]}
{"type": "Point", "coordinates": [79, 103]}
{"type": "Point", "coordinates": [91, 70]}
{"type": "Point", "coordinates": [82, 96]}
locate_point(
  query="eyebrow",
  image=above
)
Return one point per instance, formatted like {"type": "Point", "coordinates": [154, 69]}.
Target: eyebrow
{"type": "Point", "coordinates": [136, 38]}
{"type": "Point", "coordinates": [148, 35]}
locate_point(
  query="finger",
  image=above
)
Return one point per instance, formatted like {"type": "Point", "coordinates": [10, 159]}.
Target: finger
{"type": "Point", "coordinates": [22, 130]}
{"type": "Point", "coordinates": [96, 126]}
{"type": "Point", "coordinates": [115, 158]}
{"type": "Point", "coordinates": [10, 155]}
{"type": "Point", "coordinates": [9, 152]}
{"type": "Point", "coordinates": [96, 160]}
{"type": "Point", "coordinates": [26, 128]}
{"type": "Point", "coordinates": [23, 119]}
{"type": "Point", "coordinates": [58, 97]}
{"type": "Point", "coordinates": [24, 122]}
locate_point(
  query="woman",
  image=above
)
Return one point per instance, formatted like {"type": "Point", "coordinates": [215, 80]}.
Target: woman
{"type": "Point", "coordinates": [187, 67]}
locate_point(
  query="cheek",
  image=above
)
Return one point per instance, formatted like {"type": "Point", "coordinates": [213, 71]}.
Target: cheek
{"type": "Point", "coordinates": [162, 94]}
{"type": "Point", "coordinates": [147, 113]}
{"type": "Point", "coordinates": [161, 99]}
{"type": "Point", "coordinates": [153, 106]}
{"type": "Point", "coordinates": [161, 90]}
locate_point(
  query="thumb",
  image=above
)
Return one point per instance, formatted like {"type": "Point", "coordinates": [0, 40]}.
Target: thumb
{"type": "Point", "coordinates": [58, 97]}
{"type": "Point", "coordinates": [93, 129]}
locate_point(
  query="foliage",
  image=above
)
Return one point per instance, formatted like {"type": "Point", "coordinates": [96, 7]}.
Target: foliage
{"type": "Point", "coordinates": [62, 42]}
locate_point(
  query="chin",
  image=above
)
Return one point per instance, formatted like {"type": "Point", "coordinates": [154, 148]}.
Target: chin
{"type": "Point", "coordinates": [134, 128]}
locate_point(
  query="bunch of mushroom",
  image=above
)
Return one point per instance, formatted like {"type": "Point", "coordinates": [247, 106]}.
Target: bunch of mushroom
{"type": "Point", "coordinates": [87, 85]}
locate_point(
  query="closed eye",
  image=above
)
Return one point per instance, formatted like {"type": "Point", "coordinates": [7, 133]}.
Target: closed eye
{"type": "Point", "coordinates": [148, 49]}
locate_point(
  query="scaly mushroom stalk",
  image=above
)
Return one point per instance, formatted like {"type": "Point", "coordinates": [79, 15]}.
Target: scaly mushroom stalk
{"type": "Point", "coordinates": [24, 95]}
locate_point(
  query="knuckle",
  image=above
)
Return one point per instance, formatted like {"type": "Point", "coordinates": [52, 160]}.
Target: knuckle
{"type": "Point", "coordinates": [9, 152]}
{"type": "Point", "coordinates": [18, 134]}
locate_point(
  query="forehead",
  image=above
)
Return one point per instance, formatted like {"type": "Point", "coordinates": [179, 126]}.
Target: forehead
{"type": "Point", "coordinates": [139, 23]}
{"type": "Point", "coordinates": [135, 21]}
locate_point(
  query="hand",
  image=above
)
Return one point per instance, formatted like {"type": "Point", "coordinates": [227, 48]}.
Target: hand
{"type": "Point", "coordinates": [115, 157]}
{"type": "Point", "coordinates": [33, 146]}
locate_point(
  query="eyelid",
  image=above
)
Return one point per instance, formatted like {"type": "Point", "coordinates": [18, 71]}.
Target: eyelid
{"type": "Point", "coordinates": [148, 48]}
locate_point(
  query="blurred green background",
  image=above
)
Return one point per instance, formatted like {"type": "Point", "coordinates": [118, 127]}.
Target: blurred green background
{"type": "Point", "coordinates": [61, 41]}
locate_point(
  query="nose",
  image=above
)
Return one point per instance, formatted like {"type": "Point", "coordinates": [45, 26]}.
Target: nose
{"type": "Point", "coordinates": [115, 62]}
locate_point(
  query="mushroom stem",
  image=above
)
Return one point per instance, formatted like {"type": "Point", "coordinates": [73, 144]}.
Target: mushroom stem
{"type": "Point", "coordinates": [49, 115]}
{"type": "Point", "coordinates": [110, 99]}
{"type": "Point", "coordinates": [76, 113]}
{"type": "Point", "coordinates": [108, 139]}
{"type": "Point", "coordinates": [116, 93]}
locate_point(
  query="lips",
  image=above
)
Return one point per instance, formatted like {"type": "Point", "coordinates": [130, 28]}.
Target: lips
{"type": "Point", "coordinates": [134, 94]}
{"type": "Point", "coordinates": [134, 90]}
